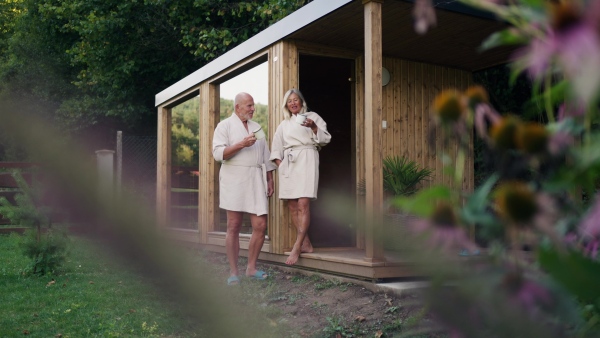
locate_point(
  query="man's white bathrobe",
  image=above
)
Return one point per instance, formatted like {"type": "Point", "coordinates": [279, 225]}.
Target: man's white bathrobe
{"type": "Point", "coordinates": [243, 177]}
{"type": "Point", "coordinates": [298, 149]}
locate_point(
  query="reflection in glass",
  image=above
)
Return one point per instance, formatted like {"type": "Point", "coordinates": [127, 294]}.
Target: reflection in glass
{"type": "Point", "coordinates": [184, 164]}
{"type": "Point", "coordinates": [255, 82]}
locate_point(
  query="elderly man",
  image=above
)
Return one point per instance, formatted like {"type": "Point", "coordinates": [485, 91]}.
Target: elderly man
{"type": "Point", "coordinates": [245, 183]}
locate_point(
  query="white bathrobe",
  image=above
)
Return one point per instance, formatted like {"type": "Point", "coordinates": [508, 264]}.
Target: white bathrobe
{"type": "Point", "coordinates": [242, 178]}
{"type": "Point", "coordinates": [298, 149]}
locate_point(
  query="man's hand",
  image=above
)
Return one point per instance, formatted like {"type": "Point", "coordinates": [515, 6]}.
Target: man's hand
{"type": "Point", "coordinates": [229, 151]}
{"type": "Point", "coordinates": [248, 141]}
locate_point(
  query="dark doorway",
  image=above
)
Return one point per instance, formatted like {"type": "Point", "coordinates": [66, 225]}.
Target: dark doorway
{"type": "Point", "coordinates": [327, 85]}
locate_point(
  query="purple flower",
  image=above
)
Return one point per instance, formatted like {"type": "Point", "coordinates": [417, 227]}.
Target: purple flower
{"type": "Point", "coordinates": [590, 225]}
{"type": "Point", "coordinates": [559, 142]}
{"type": "Point", "coordinates": [589, 230]}
{"type": "Point", "coordinates": [570, 110]}
{"type": "Point", "coordinates": [572, 43]}
{"type": "Point", "coordinates": [524, 292]}
{"type": "Point", "coordinates": [485, 116]}
{"type": "Point", "coordinates": [424, 16]}
{"type": "Point", "coordinates": [443, 230]}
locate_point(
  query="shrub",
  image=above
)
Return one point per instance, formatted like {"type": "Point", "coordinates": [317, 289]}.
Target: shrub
{"type": "Point", "coordinates": [47, 247]}
{"type": "Point", "coordinates": [401, 176]}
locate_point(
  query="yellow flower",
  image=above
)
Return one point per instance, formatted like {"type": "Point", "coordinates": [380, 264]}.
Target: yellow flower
{"type": "Point", "coordinates": [476, 95]}
{"type": "Point", "coordinates": [564, 14]}
{"type": "Point", "coordinates": [503, 133]}
{"type": "Point", "coordinates": [532, 138]}
{"type": "Point", "coordinates": [516, 202]}
{"type": "Point", "coordinates": [444, 215]}
{"type": "Point", "coordinates": [448, 106]}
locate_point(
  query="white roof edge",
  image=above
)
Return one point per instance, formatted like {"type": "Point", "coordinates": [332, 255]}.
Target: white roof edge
{"type": "Point", "coordinates": [284, 27]}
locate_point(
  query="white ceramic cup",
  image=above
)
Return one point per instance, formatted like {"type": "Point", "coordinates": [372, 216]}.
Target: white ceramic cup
{"type": "Point", "coordinates": [259, 133]}
{"type": "Point", "coordinates": [300, 118]}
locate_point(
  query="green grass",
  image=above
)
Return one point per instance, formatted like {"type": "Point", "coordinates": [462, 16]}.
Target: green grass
{"type": "Point", "coordinates": [92, 296]}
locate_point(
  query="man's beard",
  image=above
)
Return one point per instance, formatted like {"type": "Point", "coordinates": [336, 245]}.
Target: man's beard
{"type": "Point", "coordinates": [247, 116]}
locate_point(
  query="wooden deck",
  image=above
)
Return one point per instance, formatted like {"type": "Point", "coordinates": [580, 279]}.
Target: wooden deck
{"type": "Point", "coordinates": [353, 262]}
{"type": "Point", "coordinates": [349, 262]}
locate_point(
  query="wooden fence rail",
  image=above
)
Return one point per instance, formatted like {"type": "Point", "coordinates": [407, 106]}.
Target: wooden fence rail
{"type": "Point", "coordinates": [8, 185]}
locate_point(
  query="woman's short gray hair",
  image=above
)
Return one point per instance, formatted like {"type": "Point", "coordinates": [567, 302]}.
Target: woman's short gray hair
{"type": "Point", "coordinates": [286, 112]}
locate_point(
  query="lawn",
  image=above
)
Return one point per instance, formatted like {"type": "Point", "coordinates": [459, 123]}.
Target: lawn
{"type": "Point", "coordinates": [98, 294]}
{"type": "Point", "coordinates": [92, 295]}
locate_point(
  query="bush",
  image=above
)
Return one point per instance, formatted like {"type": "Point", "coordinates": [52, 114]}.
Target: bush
{"type": "Point", "coordinates": [46, 246]}
{"type": "Point", "coordinates": [402, 176]}
{"type": "Point", "coordinates": [47, 252]}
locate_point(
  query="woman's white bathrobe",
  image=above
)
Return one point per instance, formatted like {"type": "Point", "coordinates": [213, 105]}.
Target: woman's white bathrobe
{"type": "Point", "coordinates": [243, 177]}
{"type": "Point", "coordinates": [298, 149]}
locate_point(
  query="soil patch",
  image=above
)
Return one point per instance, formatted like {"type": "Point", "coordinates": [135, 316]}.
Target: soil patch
{"type": "Point", "coordinates": [320, 305]}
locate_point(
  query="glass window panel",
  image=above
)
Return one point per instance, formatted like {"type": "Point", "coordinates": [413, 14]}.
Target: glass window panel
{"type": "Point", "coordinates": [184, 164]}
{"type": "Point", "coordinates": [255, 82]}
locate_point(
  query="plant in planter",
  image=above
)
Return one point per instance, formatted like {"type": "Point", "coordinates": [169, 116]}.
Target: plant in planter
{"type": "Point", "coordinates": [401, 177]}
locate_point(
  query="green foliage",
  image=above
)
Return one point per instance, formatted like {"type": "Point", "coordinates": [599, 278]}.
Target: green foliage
{"type": "Point", "coordinates": [90, 64]}
{"type": "Point", "coordinates": [27, 212]}
{"type": "Point", "coordinates": [92, 296]}
{"type": "Point", "coordinates": [47, 252]}
{"type": "Point", "coordinates": [335, 327]}
{"type": "Point", "coordinates": [420, 203]}
{"type": "Point", "coordinates": [261, 113]}
{"type": "Point", "coordinates": [577, 273]}
{"type": "Point", "coordinates": [46, 247]}
{"type": "Point", "coordinates": [402, 176]}
{"type": "Point", "coordinates": [184, 133]}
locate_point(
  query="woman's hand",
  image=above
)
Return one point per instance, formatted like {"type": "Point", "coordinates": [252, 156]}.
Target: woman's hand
{"type": "Point", "coordinates": [310, 124]}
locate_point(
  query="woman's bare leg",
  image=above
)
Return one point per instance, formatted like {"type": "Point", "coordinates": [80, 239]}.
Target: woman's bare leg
{"type": "Point", "coordinates": [293, 207]}
{"type": "Point", "coordinates": [300, 210]}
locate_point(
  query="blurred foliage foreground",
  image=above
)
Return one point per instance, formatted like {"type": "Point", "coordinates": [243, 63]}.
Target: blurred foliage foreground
{"type": "Point", "coordinates": [528, 237]}
{"type": "Point", "coordinates": [531, 231]}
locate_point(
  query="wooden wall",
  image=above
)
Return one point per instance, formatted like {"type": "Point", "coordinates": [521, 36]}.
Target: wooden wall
{"type": "Point", "coordinates": [407, 102]}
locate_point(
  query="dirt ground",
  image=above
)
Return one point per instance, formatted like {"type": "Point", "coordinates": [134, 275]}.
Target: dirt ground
{"type": "Point", "coordinates": [317, 305]}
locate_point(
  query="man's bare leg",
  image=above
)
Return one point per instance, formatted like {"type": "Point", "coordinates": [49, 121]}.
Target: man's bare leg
{"type": "Point", "coordinates": [259, 227]}
{"type": "Point", "coordinates": [302, 208]}
{"type": "Point", "coordinates": [232, 240]}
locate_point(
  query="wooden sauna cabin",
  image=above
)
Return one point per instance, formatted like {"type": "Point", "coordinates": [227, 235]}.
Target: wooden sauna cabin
{"type": "Point", "coordinates": [362, 67]}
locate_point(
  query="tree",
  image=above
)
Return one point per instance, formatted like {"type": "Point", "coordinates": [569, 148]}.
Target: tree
{"type": "Point", "coordinates": [100, 63]}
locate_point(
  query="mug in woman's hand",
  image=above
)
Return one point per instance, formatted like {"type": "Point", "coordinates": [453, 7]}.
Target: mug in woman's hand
{"type": "Point", "coordinates": [300, 118]}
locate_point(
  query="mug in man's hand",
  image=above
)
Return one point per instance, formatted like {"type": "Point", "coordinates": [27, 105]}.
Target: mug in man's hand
{"type": "Point", "coordinates": [259, 133]}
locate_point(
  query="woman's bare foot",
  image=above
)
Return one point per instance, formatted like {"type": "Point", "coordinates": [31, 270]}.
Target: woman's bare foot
{"type": "Point", "coordinates": [306, 246]}
{"type": "Point", "coordinates": [293, 258]}
{"type": "Point", "coordinates": [307, 249]}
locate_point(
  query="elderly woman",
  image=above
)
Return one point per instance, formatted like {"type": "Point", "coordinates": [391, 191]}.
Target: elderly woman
{"type": "Point", "coordinates": [295, 150]}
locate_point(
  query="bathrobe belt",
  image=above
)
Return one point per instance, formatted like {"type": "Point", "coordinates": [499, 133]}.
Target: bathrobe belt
{"type": "Point", "coordinates": [262, 167]}
{"type": "Point", "coordinates": [290, 155]}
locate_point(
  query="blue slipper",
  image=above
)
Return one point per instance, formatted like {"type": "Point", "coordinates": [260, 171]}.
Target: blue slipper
{"type": "Point", "coordinates": [259, 275]}
{"type": "Point", "coordinates": [233, 280]}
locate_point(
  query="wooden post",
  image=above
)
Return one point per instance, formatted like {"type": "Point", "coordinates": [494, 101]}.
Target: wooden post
{"type": "Point", "coordinates": [163, 166]}
{"type": "Point", "coordinates": [106, 173]}
{"type": "Point", "coordinates": [372, 124]}
{"type": "Point", "coordinates": [119, 172]}
{"type": "Point", "coordinates": [208, 198]}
